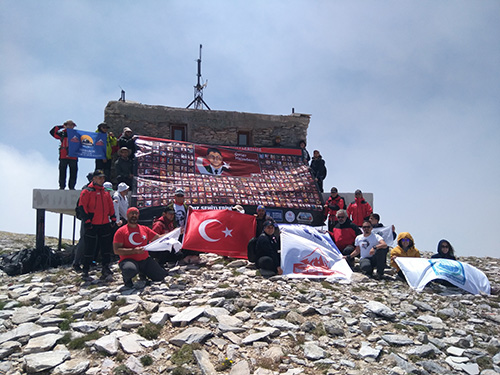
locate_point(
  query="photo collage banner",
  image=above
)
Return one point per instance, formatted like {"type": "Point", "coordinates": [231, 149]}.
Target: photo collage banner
{"type": "Point", "coordinates": [218, 177]}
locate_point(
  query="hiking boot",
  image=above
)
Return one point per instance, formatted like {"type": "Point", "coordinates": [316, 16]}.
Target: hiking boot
{"type": "Point", "coordinates": [106, 272]}
{"type": "Point", "coordinates": [86, 276]}
{"type": "Point", "coordinates": [77, 268]}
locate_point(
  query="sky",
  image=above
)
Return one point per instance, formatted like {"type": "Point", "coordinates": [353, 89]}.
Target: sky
{"type": "Point", "coordinates": [404, 96]}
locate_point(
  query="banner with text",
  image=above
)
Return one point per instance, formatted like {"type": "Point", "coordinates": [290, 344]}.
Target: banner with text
{"type": "Point", "coordinates": [84, 144]}
{"type": "Point", "coordinates": [221, 177]}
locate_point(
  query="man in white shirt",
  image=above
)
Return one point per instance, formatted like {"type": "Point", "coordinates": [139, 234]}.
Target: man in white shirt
{"type": "Point", "coordinates": [120, 202]}
{"type": "Point", "coordinates": [367, 245]}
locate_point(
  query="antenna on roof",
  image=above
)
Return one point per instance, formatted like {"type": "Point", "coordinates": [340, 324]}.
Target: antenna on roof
{"type": "Point", "coordinates": [198, 89]}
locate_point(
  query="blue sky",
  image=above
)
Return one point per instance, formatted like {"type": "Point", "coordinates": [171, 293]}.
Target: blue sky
{"type": "Point", "coordinates": [404, 95]}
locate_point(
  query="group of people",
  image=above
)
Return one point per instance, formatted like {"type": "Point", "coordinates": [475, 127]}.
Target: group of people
{"type": "Point", "coordinates": [344, 225]}
{"type": "Point", "coordinates": [119, 151]}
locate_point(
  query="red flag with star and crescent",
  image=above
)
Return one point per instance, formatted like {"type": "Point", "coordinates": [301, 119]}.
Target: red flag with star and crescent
{"type": "Point", "coordinates": [222, 232]}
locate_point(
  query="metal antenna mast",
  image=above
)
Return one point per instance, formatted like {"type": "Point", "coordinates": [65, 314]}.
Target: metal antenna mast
{"type": "Point", "coordinates": [198, 89]}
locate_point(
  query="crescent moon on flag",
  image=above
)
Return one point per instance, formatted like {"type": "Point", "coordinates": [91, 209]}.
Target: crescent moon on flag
{"type": "Point", "coordinates": [203, 234]}
{"type": "Point", "coordinates": [131, 239]}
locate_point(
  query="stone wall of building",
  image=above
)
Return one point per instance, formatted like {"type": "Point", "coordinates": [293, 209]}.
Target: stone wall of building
{"type": "Point", "coordinates": [205, 126]}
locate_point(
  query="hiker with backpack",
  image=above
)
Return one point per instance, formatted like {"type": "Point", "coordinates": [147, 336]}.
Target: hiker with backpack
{"type": "Point", "coordinates": [98, 216]}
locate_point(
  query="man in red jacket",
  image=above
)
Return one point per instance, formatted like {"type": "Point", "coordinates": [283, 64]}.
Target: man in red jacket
{"type": "Point", "coordinates": [96, 207]}
{"type": "Point", "coordinates": [344, 234]}
{"type": "Point", "coordinates": [334, 203]}
{"type": "Point", "coordinates": [59, 132]}
{"type": "Point", "coordinates": [359, 210]}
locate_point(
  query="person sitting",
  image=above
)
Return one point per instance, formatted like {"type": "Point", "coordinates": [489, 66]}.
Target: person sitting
{"type": "Point", "coordinates": [268, 259]}
{"type": "Point", "coordinates": [163, 225]}
{"type": "Point", "coordinates": [128, 243]}
{"type": "Point", "coordinates": [445, 251]}
{"type": "Point", "coordinates": [371, 248]}
{"type": "Point", "coordinates": [344, 234]}
{"type": "Point", "coordinates": [260, 218]}
{"type": "Point", "coordinates": [406, 248]}
{"type": "Point", "coordinates": [360, 209]}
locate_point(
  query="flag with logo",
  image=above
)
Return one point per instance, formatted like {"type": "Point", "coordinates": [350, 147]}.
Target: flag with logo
{"type": "Point", "coordinates": [83, 144]}
{"type": "Point", "coordinates": [386, 234]}
{"type": "Point", "coordinates": [168, 242]}
{"type": "Point", "coordinates": [222, 232]}
{"type": "Point", "coordinates": [308, 252]}
{"type": "Point", "coordinates": [420, 271]}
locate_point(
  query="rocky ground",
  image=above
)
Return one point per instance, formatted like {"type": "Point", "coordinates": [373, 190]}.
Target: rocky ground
{"type": "Point", "coordinates": [222, 318]}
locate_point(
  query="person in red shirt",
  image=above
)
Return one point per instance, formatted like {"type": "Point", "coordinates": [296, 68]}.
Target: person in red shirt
{"type": "Point", "coordinates": [359, 210]}
{"type": "Point", "coordinates": [65, 161]}
{"type": "Point", "coordinates": [334, 203]}
{"type": "Point", "coordinates": [128, 243]}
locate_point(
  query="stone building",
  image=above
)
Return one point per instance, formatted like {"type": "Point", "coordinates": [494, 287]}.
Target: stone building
{"type": "Point", "coordinates": [211, 127]}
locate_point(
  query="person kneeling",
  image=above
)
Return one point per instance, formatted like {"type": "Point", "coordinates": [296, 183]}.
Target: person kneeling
{"type": "Point", "coordinates": [266, 251]}
{"type": "Point", "coordinates": [128, 243]}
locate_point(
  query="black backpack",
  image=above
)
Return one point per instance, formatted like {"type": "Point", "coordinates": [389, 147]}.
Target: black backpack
{"type": "Point", "coordinates": [79, 211]}
{"type": "Point", "coordinates": [29, 260]}
{"type": "Point", "coordinates": [252, 244]}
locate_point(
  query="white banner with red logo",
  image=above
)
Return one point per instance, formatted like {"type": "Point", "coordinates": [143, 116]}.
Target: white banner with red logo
{"type": "Point", "coordinates": [307, 252]}
{"type": "Point", "coordinates": [222, 232]}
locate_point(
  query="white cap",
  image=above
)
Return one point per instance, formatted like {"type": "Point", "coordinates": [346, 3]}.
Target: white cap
{"type": "Point", "coordinates": [122, 186]}
{"type": "Point", "coordinates": [107, 185]}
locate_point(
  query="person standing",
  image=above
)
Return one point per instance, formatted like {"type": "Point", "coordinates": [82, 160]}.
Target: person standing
{"type": "Point", "coordinates": [123, 167]}
{"type": "Point", "coordinates": [120, 203]}
{"type": "Point", "coordinates": [128, 243]}
{"type": "Point", "coordinates": [127, 139]}
{"type": "Point", "coordinates": [334, 203]}
{"type": "Point", "coordinates": [65, 161]}
{"type": "Point", "coordinates": [305, 154]}
{"type": "Point", "coordinates": [359, 210]}
{"type": "Point", "coordinates": [98, 216]}
{"type": "Point", "coordinates": [318, 169]}
{"type": "Point", "coordinates": [111, 144]}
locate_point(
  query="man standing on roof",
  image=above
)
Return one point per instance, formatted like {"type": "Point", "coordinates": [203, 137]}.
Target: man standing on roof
{"type": "Point", "coordinates": [359, 210]}
{"type": "Point", "coordinates": [65, 161]}
{"type": "Point", "coordinates": [98, 213]}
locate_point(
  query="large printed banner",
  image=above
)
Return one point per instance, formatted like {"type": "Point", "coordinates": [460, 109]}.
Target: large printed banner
{"type": "Point", "coordinates": [83, 144]}
{"type": "Point", "coordinates": [419, 272]}
{"type": "Point", "coordinates": [222, 232]}
{"type": "Point", "coordinates": [309, 253]}
{"type": "Point", "coordinates": [221, 177]}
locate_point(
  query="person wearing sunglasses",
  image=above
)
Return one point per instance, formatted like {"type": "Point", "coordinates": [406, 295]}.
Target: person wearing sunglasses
{"type": "Point", "coordinates": [406, 248]}
{"type": "Point", "coordinates": [371, 249]}
{"type": "Point", "coordinates": [445, 251]}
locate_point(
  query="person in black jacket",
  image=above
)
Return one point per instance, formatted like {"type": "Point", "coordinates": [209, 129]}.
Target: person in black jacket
{"type": "Point", "coordinates": [445, 251]}
{"type": "Point", "coordinates": [266, 251]}
{"type": "Point", "coordinates": [318, 169]}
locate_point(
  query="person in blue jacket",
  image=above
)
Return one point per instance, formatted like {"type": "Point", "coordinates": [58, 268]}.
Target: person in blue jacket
{"type": "Point", "coordinates": [445, 250]}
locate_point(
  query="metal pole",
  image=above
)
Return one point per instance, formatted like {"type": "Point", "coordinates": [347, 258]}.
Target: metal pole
{"type": "Point", "coordinates": [59, 244]}
{"type": "Point", "coordinates": [40, 228]}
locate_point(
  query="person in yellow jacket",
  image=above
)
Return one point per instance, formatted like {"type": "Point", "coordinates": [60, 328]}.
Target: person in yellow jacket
{"type": "Point", "coordinates": [406, 248]}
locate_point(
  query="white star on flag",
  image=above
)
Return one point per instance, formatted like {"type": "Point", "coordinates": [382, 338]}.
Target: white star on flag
{"type": "Point", "coordinates": [227, 232]}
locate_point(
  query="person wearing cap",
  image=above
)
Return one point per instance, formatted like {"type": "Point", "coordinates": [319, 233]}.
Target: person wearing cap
{"type": "Point", "coordinates": [123, 167]}
{"type": "Point", "coordinates": [108, 186]}
{"type": "Point", "coordinates": [180, 207]}
{"type": "Point", "coordinates": [120, 203]}
{"type": "Point", "coordinates": [359, 210]}
{"type": "Point", "coordinates": [111, 144]}
{"type": "Point", "coordinates": [260, 218]}
{"type": "Point", "coordinates": [334, 203]}
{"type": "Point", "coordinates": [98, 216]}
{"type": "Point", "coordinates": [65, 161]}
{"type": "Point", "coordinates": [127, 139]}
{"type": "Point", "coordinates": [163, 225]}
{"type": "Point", "coordinates": [128, 244]}
{"type": "Point", "coordinates": [268, 259]}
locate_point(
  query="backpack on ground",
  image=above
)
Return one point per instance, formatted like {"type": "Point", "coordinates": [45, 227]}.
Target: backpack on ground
{"type": "Point", "coordinates": [29, 260]}
{"type": "Point", "coordinates": [252, 244]}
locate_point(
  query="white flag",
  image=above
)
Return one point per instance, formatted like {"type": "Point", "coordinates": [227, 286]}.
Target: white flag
{"type": "Point", "coordinates": [167, 242]}
{"type": "Point", "coordinates": [420, 271]}
{"type": "Point", "coordinates": [306, 252]}
{"type": "Point", "coordinates": [386, 234]}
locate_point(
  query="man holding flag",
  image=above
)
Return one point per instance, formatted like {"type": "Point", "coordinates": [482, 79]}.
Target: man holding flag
{"type": "Point", "coordinates": [128, 243]}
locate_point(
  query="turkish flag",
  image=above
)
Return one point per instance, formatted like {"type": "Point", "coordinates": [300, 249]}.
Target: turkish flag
{"type": "Point", "coordinates": [222, 232]}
